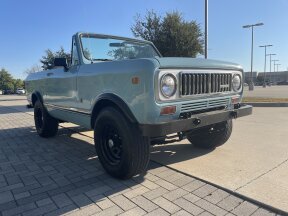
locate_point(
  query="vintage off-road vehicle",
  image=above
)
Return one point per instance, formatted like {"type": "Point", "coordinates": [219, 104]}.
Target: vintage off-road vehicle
{"type": "Point", "coordinates": [133, 97]}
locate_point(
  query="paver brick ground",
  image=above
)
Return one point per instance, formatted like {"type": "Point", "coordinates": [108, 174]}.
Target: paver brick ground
{"type": "Point", "coordinates": [62, 175]}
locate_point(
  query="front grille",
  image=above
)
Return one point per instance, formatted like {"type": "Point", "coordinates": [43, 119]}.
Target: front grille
{"type": "Point", "coordinates": [205, 83]}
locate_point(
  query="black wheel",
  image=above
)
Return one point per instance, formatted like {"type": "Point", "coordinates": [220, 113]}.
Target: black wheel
{"type": "Point", "coordinates": [46, 125]}
{"type": "Point", "coordinates": [121, 149]}
{"type": "Point", "coordinates": [212, 136]}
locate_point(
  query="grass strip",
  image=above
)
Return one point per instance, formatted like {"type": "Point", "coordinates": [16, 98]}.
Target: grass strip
{"type": "Point", "coordinates": [266, 100]}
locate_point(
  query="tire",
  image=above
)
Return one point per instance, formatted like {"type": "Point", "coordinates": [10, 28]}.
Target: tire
{"type": "Point", "coordinates": [46, 125]}
{"type": "Point", "coordinates": [122, 151]}
{"type": "Point", "coordinates": [212, 136]}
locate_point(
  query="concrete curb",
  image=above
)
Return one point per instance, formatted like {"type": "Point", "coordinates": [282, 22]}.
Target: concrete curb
{"type": "Point", "coordinates": [267, 104]}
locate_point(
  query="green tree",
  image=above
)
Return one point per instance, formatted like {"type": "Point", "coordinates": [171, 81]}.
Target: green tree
{"type": "Point", "coordinates": [17, 83]}
{"type": "Point", "coordinates": [34, 68]}
{"type": "Point", "coordinates": [172, 35]}
{"type": "Point", "coordinates": [48, 59]}
{"type": "Point", "coordinates": [130, 51]}
{"type": "Point", "coordinates": [6, 80]}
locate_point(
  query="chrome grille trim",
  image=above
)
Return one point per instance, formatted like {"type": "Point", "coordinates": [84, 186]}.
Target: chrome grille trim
{"type": "Point", "coordinates": [205, 104]}
{"type": "Point", "coordinates": [204, 83]}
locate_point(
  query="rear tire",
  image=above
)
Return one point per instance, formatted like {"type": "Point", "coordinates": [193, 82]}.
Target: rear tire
{"type": "Point", "coordinates": [212, 136]}
{"type": "Point", "coordinates": [121, 149]}
{"type": "Point", "coordinates": [46, 125]}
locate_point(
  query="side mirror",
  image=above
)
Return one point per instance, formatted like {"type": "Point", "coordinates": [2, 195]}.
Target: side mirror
{"type": "Point", "coordinates": [61, 62]}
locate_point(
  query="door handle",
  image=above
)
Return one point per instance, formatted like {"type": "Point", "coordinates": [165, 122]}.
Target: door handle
{"type": "Point", "coordinates": [50, 73]}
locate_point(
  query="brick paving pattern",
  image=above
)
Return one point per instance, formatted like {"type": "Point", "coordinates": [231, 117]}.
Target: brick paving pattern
{"type": "Point", "coordinates": [62, 176]}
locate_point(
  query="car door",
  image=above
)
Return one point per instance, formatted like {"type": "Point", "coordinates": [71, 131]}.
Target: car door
{"type": "Point", "coordinates": [61, 89]}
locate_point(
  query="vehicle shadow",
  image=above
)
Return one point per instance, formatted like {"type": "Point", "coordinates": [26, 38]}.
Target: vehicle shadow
{"type": "Point", "coordinates": [63, 167]}
{"type": "Point", "coordinates": [176, 152]}
{"type": "Point", "coordinates": [6, 109]}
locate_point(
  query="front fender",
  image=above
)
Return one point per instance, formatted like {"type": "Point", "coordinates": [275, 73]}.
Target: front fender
{"type": "Point", "coordinates": [110, 99]}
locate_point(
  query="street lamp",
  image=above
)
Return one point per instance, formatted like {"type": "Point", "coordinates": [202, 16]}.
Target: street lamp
{"type": "Point", "coordinates": [264, 84]}
{"type": "Point", "coordinates": [274, 66]}
{"type": "Point", "coordinates": [251, 85]}
{"type": "Point", "coordinates": [270, 67]}
{"type": "Point", "coordinates": [277, 71]}
{"type": "Point", "coordinates": [206, 29]}
{"type": "Point", "coordinates": [277, 67]}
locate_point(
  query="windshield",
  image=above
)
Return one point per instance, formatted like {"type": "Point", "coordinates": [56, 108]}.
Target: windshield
{"type": "Point", "coordinates": [109, 49]}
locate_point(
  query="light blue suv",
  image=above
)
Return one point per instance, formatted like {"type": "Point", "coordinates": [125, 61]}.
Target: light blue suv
{"type": "Point", "coordinates": [133, 97]}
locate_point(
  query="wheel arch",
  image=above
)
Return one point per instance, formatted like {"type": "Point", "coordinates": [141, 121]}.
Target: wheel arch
{"type": "Point", "coordinates": [36, 96]}
{"type": "Point", "coordinates": [112, 100]}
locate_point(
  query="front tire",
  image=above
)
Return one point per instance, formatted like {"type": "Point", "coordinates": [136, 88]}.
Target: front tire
{"type": "Point", "coordinates": [46, 125]}
{"type": "Point", "coordinates": [212, 136]}
{"type": "Point", "coordinates": [121, 149]}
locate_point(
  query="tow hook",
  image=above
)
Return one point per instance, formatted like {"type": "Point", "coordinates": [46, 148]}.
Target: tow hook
{"type": "Point", "coordinates": [234, 114]}
{"type": "Point", "coordinates": [196, 121]}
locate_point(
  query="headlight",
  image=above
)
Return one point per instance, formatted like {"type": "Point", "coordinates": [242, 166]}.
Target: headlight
{"type": "Point", "coordinates": [236, 82]}
{"type": "Point", "coordinates": [168, 85]}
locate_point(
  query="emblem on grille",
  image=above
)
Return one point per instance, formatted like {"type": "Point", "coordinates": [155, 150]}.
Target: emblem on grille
{"type": "Point", "coordinates": [224, 86]}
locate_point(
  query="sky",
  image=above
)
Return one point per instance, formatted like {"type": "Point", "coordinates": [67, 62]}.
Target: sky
{"type": "Point", "coordinates": [28, 28]}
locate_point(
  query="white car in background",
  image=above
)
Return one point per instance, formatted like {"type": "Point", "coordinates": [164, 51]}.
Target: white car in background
{"type": "Point", "coordinates": [20, 91]}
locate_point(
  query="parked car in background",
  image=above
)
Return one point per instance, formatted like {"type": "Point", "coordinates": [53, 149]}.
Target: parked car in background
{"type": "Point", "coordinates": [283, 83]}
{"type": "Point", "coordinates": [8, 91]}
{"type": "Point", "coordinates": [20, 91]}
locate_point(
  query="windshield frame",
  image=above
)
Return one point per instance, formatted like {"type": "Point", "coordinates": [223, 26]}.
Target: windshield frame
{"type": "Point", "coordinates": [101, 36]}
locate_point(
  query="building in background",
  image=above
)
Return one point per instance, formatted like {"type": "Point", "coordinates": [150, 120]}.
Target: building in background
{"type": "Point", "coordinates": [274, 77]}
{"type": "Point", "coordinates": [280, 77]}
{"type": "Point", "coordinates": [247, 77]}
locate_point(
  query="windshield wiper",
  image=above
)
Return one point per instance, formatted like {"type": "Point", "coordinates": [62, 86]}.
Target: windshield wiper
{"type": "Point", "coordinates": [102, 60]}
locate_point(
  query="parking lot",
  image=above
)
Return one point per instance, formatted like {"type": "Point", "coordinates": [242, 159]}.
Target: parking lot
{"type": "Point", "coordinates": [268, 92]}
{"type": "Point", "coordinates": [62, 175]}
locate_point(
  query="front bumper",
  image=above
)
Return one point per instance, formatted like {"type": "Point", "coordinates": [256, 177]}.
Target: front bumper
{"type": "Point", "coordinates": [197, 121]}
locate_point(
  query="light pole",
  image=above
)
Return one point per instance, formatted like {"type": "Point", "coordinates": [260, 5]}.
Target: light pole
{"type": "Point", "coordinates": [206, 29]}
{"type": "Point", "coordinates": [264, 84]}
{"type": "Point", "coordinates": [251, 85]}
{"type": "Point", "coordinates": [277, 71]}
{"type": "Point", "coordinates": [274, 66]}
{"type": "Point", "coordinates": [277, 67]}
{"type": "Point", "coordinates": [270, 68]}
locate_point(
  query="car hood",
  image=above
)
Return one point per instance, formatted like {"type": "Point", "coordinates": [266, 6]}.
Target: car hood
{"type": "Point", "coordinates": [195, 63]}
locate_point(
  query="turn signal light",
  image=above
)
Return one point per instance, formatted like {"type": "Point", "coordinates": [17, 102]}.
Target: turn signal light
{"type": "Point", "coordinates": [235, 100]}
{"type": "Point", "coordinates": [168, 110]}
{"type": "Point", "coordinates": [135, 80]}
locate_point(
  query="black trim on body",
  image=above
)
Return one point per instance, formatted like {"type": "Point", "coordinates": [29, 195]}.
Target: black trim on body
{"type": "Point", "coordinates": [104, 100]}
{"type": "Point", "coordinates": [38, 97]}
{"type": "Point", "coordinates": [109, 99]}
{"type": "Point", "coordinates": [197, 121]}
